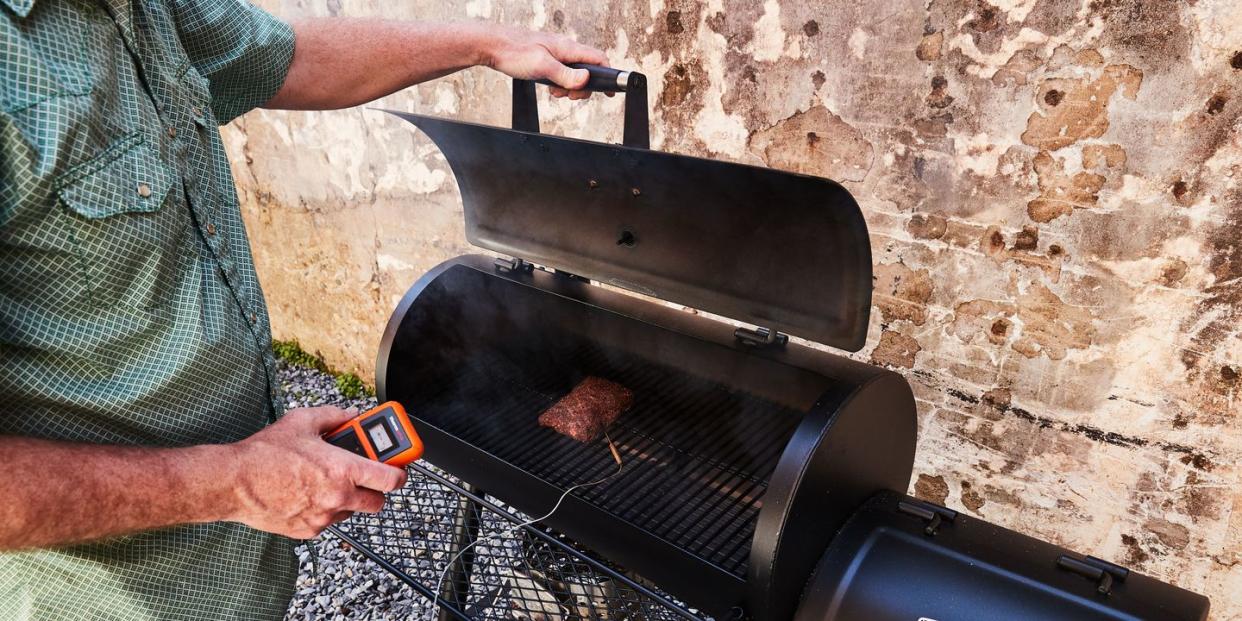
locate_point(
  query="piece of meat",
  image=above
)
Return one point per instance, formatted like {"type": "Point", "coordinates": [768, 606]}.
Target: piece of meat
{"type": "Point", "coordinates": [588, 409]}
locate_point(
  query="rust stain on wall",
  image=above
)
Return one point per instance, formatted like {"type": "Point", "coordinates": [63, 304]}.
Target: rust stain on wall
{"type": "Point", "coordinates": [1076, 109]}
{"type": "Point", "coordinates": [895, 349]}
{"type": "Point", "coordinates": [815, 142]}
{"type": "Point", "coordinates": [1052, 189]}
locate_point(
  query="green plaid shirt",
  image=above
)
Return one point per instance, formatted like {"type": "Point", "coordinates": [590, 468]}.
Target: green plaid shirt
{"type": "Point", "coordinates": [130, 312]}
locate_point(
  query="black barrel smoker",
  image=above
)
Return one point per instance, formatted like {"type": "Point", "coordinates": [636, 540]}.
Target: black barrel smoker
{"type": "Point", "coordinates": [757, 468]}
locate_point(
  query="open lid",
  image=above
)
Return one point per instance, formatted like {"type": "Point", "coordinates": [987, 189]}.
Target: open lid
{"type": "Point", "coordinates": [779, 250]}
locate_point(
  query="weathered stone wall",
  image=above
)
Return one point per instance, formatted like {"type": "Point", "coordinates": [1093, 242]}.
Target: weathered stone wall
{"type": "Point", "coordinates": [1052, 188]}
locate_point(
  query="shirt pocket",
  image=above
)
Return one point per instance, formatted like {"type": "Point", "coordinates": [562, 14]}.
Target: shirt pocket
{"type": "Point", "coordinates": [130, 228]}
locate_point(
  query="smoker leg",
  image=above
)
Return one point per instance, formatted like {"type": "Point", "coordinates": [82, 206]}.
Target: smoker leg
{"type": "Point", "coordinates": [466, 521]}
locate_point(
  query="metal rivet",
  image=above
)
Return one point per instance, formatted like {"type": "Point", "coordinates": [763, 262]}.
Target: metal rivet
{"type": "Point", "coordinates": [172, 131]}
{"type": "Point", "coordinates": [636, 191]}
{"type": "Point", "coordinates": [144, 190]}
{"type": "Point", "coordinates": [592, 184]}
{"type": "Point", "coordinates": [211, 229]}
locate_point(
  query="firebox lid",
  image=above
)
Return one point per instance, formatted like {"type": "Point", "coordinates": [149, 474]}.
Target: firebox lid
{"type": "Point", "coordinates": [778, 250]}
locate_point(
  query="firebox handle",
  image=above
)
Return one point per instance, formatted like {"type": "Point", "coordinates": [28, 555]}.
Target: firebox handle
{"type": "Point", "coordinates": [602, 79]}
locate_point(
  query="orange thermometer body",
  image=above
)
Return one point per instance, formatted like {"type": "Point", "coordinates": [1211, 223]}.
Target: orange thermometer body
{"type": "Point", "coordinates": [383, 434]}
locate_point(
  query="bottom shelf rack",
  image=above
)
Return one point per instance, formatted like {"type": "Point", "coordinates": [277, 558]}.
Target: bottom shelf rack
{"type": "Point", "coordinates": [511, 572]}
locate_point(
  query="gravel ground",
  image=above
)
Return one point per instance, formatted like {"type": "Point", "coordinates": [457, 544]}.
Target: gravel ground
{"type": "Point", "coordinates": [344, 585]}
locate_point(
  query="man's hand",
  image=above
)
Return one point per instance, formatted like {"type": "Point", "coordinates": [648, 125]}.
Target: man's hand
{"type": "Point", "coordinates": [284, 479]}
{"type": "Point", "coordinates": [293, 483]}
{"type": "Point", "coordinates": [343, 62]}
{"type": "Point", "coordinates": [535, 55]}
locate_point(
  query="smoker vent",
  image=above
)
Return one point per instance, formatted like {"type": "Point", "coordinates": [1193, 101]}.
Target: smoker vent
{"type": "Point", "coordinates": [690, 476]}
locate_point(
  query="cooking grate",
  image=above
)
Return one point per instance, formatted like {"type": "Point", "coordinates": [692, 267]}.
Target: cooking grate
{"type": "Point", "coordinates": [698, 455]}
{"type": "Point", "coordinates": [522, 574]}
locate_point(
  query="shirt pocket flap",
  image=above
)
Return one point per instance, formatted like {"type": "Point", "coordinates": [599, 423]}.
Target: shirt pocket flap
{"type": "Point", "coordinates": [135, 181]}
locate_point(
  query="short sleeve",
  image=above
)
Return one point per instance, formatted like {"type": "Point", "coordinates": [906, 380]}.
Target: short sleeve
{"type": "Point", "coordinates": [242, 50]}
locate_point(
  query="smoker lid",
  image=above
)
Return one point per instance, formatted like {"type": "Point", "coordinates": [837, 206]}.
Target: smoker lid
{"type": "Point", "coordinates": [775, 249]}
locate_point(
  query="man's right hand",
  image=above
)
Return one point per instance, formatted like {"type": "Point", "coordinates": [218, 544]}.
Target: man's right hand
{"type": "Point", "coordinates": [293, 483]}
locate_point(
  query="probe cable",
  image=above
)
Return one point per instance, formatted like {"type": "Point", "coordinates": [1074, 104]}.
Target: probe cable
{"type": "Point", "coordinates": [435, 602]}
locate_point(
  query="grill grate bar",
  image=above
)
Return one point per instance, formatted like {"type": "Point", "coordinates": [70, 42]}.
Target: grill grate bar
{"type": "Point", "coordinates": [686, 438]}
{"type": "Point", "coordinates": [727, 531]}
{"type": "Point", "coordinates": [719, 496]}
{"type": "Point", "coordinates": [643, 504]}
{"type": "Point", "coordinates": [730, 488]}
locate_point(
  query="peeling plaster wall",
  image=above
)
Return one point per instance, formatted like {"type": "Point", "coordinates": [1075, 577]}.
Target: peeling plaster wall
{"type": "Point", "coordinates": [1052, 188]}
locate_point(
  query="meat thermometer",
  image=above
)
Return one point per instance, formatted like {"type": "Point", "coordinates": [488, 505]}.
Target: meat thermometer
{"type": "Point", "coordinates": [383, 434]}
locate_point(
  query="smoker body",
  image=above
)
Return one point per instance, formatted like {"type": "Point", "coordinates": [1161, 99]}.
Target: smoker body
{"type": "Point", "coordinates": [748, 458]}
{"type": "Point", "coordinates": [740, 462]}
{"type": "Point", "coordinates": [891, 562]}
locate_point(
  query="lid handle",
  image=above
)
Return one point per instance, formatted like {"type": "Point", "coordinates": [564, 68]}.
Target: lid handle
{"type": "Point", "coordinates": [604, 80]}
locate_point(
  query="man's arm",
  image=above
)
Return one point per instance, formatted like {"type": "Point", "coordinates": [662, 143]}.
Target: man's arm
{"type": "Point", "coordinates": [338, 63]}
{"type": "Point", "coordinates": [284, 479]}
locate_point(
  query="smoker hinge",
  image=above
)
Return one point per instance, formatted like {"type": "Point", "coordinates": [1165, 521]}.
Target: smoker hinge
{"type": "Point", "coordinates": [1101, 571]}
{"type": "Point", "coordinates": [761, 337]}
{"type": "Point", "coordinates": [514, 265]}
{"type": "Point", "coordinates": [934, 515]}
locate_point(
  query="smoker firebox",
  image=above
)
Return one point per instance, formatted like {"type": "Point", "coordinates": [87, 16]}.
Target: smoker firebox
{"type": "Point", "coordinates": [899, 558]}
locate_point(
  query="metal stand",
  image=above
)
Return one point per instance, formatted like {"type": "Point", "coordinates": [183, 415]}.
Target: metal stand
{"type": "Point", "coordinates": [468, 517]}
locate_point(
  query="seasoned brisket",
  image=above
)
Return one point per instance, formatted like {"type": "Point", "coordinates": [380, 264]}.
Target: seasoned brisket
{"type": "Point", "coordinates": [588, 409]}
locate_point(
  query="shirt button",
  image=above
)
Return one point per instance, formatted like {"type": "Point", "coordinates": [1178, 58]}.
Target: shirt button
{"type": "Point", "coordinates": [197, 111]}
{"type": "Point", "coordinates": [254, 318]}
{"type": "Point", "coordinates": [144, 190]}
{"type": "Point", "coordinates": [211, 229]}
{"type": "Point", "coordinates": [172, 131]}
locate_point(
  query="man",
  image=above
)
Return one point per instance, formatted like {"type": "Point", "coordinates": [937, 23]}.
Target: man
{"type": "Point", "coordinates": [139, 478]}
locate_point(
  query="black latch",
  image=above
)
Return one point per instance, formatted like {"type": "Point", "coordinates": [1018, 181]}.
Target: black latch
{"type": "Point", "coordinates": [1101, 571]}
{"type": "Point", "coordinates": [514, 265]}
{"type": "Point", "coordinates": [934, 515]}
{"type": "Point", "coordinates": [761, 337]}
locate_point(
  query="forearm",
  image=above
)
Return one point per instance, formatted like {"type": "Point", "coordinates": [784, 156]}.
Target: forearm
{"type": "Point", "coordinates": [59, 493]}
{"type": "Point", "coordinates": [339, 62]}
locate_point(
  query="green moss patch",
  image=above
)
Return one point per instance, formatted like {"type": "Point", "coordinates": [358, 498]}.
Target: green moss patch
{"type": "Point", "coordinates": [348, 384]}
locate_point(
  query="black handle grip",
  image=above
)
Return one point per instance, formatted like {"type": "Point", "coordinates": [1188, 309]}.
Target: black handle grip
{"type": "Point", "coordinates": [602, 80]}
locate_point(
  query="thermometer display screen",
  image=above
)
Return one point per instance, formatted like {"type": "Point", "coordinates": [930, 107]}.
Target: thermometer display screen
{"type": "Point", "coordinates": [380, 437]}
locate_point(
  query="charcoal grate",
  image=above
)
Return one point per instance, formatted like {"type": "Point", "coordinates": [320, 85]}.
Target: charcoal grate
{"type": "Point", "coordinates": [511, 574]}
